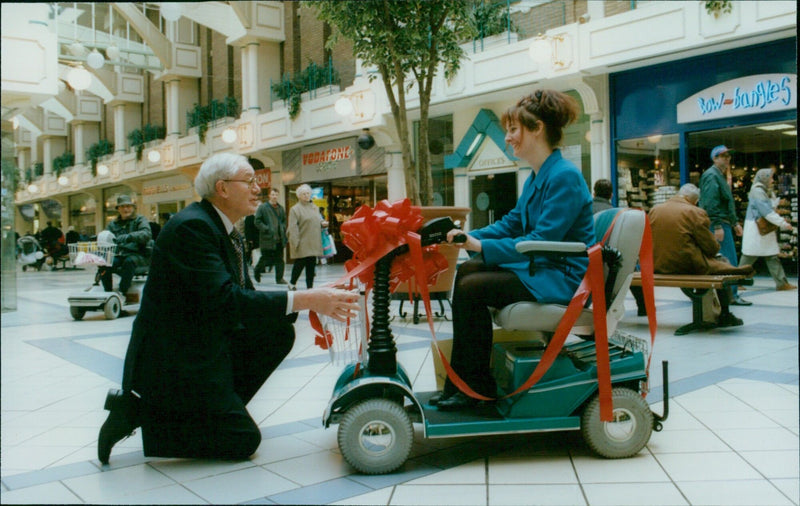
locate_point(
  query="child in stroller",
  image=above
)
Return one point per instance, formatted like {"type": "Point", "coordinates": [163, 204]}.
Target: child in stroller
{"type": "Point", "coordinates": [30, 253]}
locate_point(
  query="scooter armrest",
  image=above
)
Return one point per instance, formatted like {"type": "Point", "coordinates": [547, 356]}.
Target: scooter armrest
{"type": "Point", "coordinates": [552, 248]}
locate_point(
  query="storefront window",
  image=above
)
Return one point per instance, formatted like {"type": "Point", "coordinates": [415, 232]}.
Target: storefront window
{"type": "Point", "coordinates": [768, 145]}
{"type": "Point", "coordinates": [648, 170]}
{"type": "Point", "coordinates": [82, 211]}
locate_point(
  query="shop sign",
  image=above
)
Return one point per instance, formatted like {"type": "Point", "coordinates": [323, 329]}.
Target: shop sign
{"type": "Point", "coordinates": [330, 160]}
{"type": "Point", "coordinates": [263, 178]}
{"type": "Point", "coordinates": [737, 97]}
{"type": "Point", "coordinates": [167, 189]}
{"type": "Point", "coordinates": [490, 157]}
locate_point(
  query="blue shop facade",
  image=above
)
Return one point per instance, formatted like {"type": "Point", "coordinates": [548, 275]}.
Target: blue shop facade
{"type": "Point", "coordinates": [666, 118]}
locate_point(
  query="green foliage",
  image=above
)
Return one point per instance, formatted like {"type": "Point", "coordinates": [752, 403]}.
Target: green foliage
{"type": "Point", "coordinates": [38, 169]}
{"type": "Point", "coordinates": [291, 87]}
{"type": "Point", "coordinates": [137, 138]}
{"type": "Point", "coordinates": [718, 7]}
{"type": "Point", "coordinates": [96, 150]}
{"type": "Point", "coordinates": [61, 163]}
{"type": "Point", "coordinates": [11, 176]}
{"type": "Point", "coordinates": [406, 41]}
{"type": "Point", "coordinates": [201, 115]}
{"type": "Point", "coordinates": [491, 17]}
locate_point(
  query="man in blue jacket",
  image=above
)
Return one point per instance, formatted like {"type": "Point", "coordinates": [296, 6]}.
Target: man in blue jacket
{"type": "Point", "coordinates": [716, 199]}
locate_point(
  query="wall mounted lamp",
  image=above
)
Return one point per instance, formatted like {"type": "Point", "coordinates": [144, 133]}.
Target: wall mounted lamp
{"type": "Point", "coordinates": [154, 156]}
{"type": "Point", "coordinates": [102, 170]}
{"type": "Point", "coordinates": [229, 135]}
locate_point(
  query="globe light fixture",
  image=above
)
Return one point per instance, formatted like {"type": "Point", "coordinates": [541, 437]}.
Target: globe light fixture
{"type": "Point", "coordinates": [343, 107]}
{"type": "Point", "coordinates": [79, 78]}
{"type": "Point", "coordinates": [63, 180]}
{"type": "Point", "coordinates": [32, 188]}
{"type": "Point", "coordinates": [229, 135]}
{"type": "Point", "coordinates": [78, 49]}
{"type": "Point", "coordinates": [112, 52]}
{"type": "Point", "coordinates": [171, 11]}
{"type": "Point", "coordinates": [95, 59]}
{"type": "Point", "coordinates": [154, 156]}
{"type": "Point", "coordinates": [102, 169]}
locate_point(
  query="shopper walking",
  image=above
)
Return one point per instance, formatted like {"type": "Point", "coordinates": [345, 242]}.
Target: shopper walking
{"type": "Point", "coordinates": [755, 245]}
{"type": "Point", "coordinates": [270, 220]}
{"type": "Point", "coordinates": [304, 230]}
{"type": "Point", "coordinates": [716, 199]}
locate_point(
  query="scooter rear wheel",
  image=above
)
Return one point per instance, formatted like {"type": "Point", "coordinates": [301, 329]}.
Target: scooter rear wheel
{"type": "Point", "coordinates": [375, 436]}
{"type": "Point", "coordinates": [629, 431]}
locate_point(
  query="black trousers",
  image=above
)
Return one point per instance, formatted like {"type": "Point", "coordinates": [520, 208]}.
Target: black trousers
{"type": "Point", "coordinates": [477, 287]}
{"type": "Point", "coordinates": [232, 434]}
{"type": "Point", "coordinates": [271, 257]}
{"type": "Point", "coordinates": [125, 267]}
{"type": "Point", "coordinates": [307, 263]}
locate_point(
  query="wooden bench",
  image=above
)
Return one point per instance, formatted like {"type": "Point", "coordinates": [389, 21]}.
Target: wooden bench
{"type": "Point", "coordinates": [696, 287]}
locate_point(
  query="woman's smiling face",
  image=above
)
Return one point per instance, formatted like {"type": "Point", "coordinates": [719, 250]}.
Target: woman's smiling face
{"type": "Point", "coordinates": [518, 137]}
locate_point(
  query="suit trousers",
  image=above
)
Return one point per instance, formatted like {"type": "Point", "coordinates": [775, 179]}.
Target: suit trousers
{"type": "Point", "coordinates": [256, 352]}
{"type": "Point", "coordinates": [477, 288]}
{"type": "Point", "coordinates": [271, 257]}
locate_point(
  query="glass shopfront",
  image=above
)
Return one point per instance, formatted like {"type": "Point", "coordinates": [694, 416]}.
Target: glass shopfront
{"type": "Point", "coordinates": [667, 118]}
{"type": "Point", "coordinates": [82, 213]}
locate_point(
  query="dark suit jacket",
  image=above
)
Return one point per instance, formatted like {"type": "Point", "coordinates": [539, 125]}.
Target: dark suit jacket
{"type": "Point", "coordinates": [178, 358]}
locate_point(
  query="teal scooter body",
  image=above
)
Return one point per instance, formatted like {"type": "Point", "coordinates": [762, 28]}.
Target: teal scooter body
{"type": "Point", "coordinates": [376, 407]}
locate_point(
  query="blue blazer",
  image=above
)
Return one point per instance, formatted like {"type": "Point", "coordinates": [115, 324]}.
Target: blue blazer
{"type": "Point", "coordinates": [555, 205]}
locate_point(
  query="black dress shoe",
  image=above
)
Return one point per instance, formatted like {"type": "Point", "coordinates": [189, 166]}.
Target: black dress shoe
{"type": "Point", "coordinates": [121, 422]}
{"type": "Point", "coordinates": [738, 301]}
{"type": "Point", "coordinates": [457, 401]}
{"type": "Point", "coordinates": [729, 320]}
{"type": "Point", "coordinates": [438, 397]}
{"type": "Point", "coordinates": [257, 276]}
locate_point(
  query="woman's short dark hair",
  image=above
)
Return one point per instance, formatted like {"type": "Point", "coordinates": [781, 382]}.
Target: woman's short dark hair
{"type": "Point", "coordinates": [602, 188]}
{"type": "Point", "coordinates": [553, 108]}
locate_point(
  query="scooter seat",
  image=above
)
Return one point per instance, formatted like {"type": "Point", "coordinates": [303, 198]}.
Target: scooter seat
{"type": "Point", "coordinates": [546, 317]}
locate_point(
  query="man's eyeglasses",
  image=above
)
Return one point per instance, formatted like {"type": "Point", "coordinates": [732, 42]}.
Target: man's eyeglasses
{"type": "Point", "coordinates": [252, 183]}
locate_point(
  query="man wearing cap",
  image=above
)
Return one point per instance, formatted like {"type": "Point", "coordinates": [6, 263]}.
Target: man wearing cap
{"type": "Point", "coordinates": [716, 199]}
{"type": "Point", "coordinates": [134, 240]}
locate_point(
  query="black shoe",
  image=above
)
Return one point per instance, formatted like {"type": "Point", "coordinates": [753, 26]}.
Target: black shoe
{"type": "Point", "coordinates": [119, 424]}
{"type": "Point", "coordinates": [456, 402]}
{"type": "Point", "coordinates": [738, 301]}
{"type": "Point", "coordinates": [641, 311]}
{"type": "Point", "coordinates": [728, 320]}
{"type": "Point", "coordinates": [438, 397]}
{"type": "Point", "coordinates": [282, 282]}
{"type": "Point", "coordinates": [257, 276]}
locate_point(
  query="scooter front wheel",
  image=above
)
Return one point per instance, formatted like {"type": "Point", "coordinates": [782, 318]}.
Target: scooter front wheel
{"type": "Point", "coordinates": [627, 433]}
{"type": "Point", "coordinates": [112, 307]}
{"type": "Point", "coordinates": [77, 312]}
{"type": "Point", "coordinates": [375, 436]}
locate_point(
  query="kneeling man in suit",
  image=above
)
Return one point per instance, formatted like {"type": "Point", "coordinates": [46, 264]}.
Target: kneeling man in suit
{"type": "Point", "coordinates": [204, 341]}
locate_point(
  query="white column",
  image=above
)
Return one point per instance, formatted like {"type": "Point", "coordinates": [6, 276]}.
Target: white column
{"type": "Point", "coordinates": [245, 79]}
{"type": "Point", "coordinates": [599, 152]}
{"type": "Point", "coordinates": [252, 76]}
{"type": "Point", "coordinates": [78, 148]}
{"type": "Point", "coordinates": [119, 128]}
{"type": "Point", "coordinates": [47, 154]}
{"type": "Point", "coordinates": [395, 176]}
{"type": "Point", "coordinates": [173, 109]}
{"type": "Point", "coordinates": [23, 159]}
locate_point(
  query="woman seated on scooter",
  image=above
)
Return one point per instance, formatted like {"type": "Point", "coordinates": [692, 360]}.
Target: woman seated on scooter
{"type": "Point", "coordinates": [555, 205]}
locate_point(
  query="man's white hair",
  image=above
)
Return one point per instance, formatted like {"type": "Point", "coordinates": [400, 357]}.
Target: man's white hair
{"type": "Point", "coordinates": [690, 191]}
{"type": "Point", "coordinates": [219, 166]}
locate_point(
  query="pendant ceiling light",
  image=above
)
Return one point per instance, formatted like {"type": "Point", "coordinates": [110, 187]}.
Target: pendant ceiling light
{"type": "Point", "coordinates": [79, 78]}
{"type": "Point", "coordinates": [171, 11]}
{"type": "Point", "coordinates": [76, 48]}
{"type": "Point", "coordinates": [95, 59]}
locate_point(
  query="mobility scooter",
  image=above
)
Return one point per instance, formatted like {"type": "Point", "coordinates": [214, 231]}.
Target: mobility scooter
{"type": "Point", "coordinates": [375, 407]}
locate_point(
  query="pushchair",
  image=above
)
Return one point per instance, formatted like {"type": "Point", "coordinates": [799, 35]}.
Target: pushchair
{"type": "Point", "coordinates": [30, 253]}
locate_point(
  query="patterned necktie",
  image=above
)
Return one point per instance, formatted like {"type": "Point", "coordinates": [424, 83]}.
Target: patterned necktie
{"type": "Point", "coordinates": [236, 239]}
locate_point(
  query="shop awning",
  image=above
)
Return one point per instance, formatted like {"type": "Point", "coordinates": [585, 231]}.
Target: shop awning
{"type": "Point", "coordinates": [486, 125]}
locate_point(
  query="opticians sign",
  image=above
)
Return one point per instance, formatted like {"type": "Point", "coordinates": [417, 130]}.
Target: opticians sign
{"type": "Point", "coordinates": [738, 97]}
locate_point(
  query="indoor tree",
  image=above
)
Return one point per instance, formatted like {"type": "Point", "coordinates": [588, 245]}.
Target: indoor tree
{"type": "Point", "coordinates": [406, 42]}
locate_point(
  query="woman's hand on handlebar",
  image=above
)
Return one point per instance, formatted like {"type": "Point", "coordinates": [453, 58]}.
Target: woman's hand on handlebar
{"type": "Point", "coordinates": [462, 239]}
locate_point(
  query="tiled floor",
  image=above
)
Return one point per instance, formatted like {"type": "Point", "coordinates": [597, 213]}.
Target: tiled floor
{"type": "Point", "coordinates": [731, 437]}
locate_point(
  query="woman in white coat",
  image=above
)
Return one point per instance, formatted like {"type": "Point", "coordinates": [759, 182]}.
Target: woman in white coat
{"type": "Point", "coordinates": [755, 245]}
